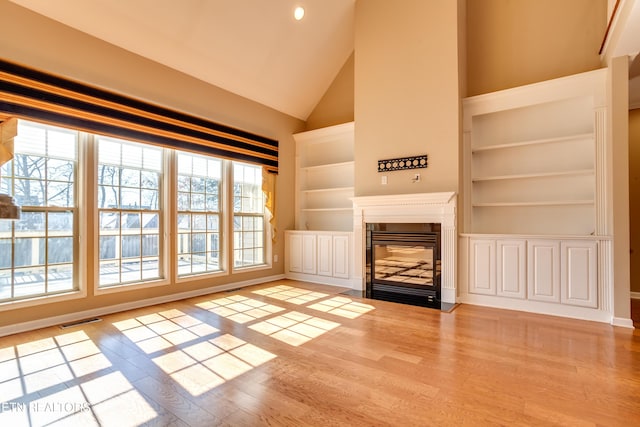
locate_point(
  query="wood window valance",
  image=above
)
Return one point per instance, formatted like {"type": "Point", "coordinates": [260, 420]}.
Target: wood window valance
{"type": "Point", "coordinates": [35, 95]}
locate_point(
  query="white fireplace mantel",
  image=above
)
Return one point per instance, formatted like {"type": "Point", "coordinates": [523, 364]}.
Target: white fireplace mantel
{"type": "Point", "coordinates": [409, 208]}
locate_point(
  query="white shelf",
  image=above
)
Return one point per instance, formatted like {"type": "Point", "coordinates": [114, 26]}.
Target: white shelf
{"type": "Point", "coordinates": [327, 166]}
{"type": "Point", "coordinates": [329, 190]}
{"type": "Point", "coordinates": [533, 203]}
{"type": "Point", "coordinates": [533, 142]}
{"type": "Point", "coordinates": [327, 209]}
{"type": "Point", "coordinates": [579, 172]}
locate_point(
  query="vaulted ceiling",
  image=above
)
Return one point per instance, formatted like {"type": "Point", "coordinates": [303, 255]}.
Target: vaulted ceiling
{"type": "Point", "coordinates": [253, 48]}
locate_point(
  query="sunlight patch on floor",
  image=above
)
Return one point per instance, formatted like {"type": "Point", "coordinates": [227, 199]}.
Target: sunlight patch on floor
{"type": "Point", "coordinates": [163, 330]}
{"type": "Point", "coordinates": [48, 363]}
{"type": "Point", "coordinates": [343, 307]}
{"type": "Point", "coordinates": [240, 309]}
{"type": "Point", "coordinates": [291, 294]}
{"type": "Point", "coordinates": [294, 328]}
{"type": "Point", "coordinates": [37, 382]}
{"type": "Point", "coordinates": [203, 366]}
{"type": "Point", "coordinates": [113, 394]}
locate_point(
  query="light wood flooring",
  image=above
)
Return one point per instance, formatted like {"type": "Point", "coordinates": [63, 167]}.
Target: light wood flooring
{"type": "Point", "coordinates": [635, 312]}
{"type": "Point", "coordinates": [298, 354]}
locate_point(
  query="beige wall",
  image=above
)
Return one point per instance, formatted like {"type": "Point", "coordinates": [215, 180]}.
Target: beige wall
{"type": "Point", "coordinates": [406, 93]}
{"type": "Point", "coordinates": [336, 106]}
{"type": "Point", "coordinates": [619, 187]}
{"type": "Point", "coordinates": [512, 43]}
{"type": "Point", "coordinates": [634, 196]}
{"type": "Point", "coordinates": [32, 40]}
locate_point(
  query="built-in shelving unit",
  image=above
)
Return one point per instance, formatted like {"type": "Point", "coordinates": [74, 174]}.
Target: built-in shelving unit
{"type": "Point", "coordinates": [320, 249]}
{"type": "Point", "coordinates": [325, 178]}
{"type": "Point", "coordinates": [531, 163]}
{"type": "Point", "coordinates": [536, 234]}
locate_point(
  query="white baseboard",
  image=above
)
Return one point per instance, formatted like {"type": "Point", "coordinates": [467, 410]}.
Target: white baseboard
{"type": "Point", "coordinates": [539, 307]}
{"type": "Point", "coordinates": [635, 295]}
{"type": "Point", "coordinates": [102, 311]}
{"type": "Point", "coordinates": [325, 280]}
{"type": "Point", "coordinates": [448, 295]}
{"type": "Point", "coordinates": [624, 323]}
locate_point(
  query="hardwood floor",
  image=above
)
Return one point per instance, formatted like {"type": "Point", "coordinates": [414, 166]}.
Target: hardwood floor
{"type": "Point", "coordinates": [635, 312]}
{"type": "Point", "coordinates": [293, 353]}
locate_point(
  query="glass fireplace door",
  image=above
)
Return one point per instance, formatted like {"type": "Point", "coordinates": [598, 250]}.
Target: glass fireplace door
{"type": "Point", "coordinates": [404, 267]}
{"type": "Point", "coordinates": [403, 264]}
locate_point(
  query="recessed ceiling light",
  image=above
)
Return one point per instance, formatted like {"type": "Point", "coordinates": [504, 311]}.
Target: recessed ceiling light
{"type": "Point", "coordinates": [298, 13]}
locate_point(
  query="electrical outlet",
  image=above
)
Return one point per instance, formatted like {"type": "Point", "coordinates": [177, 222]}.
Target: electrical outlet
{"type": "Point", "coordinates": [383, 180]}
{"type": "Point", "coordinates": [275, 258]}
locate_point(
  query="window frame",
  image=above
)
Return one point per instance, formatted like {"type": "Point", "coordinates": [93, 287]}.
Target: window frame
{"type": "Point", "coordinates": [163, 207]}
{"type": "Point", "coordinates": [80, 258]}
{"type": "Point", "coordinates": [223, 209]}
{"type": "Point", "coordinates": [87, 228]}
{"type": "Point", "coordinates": [266, 215]}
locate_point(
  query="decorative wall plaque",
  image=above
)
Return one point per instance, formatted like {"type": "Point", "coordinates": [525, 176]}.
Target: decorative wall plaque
{"type": "Point", "coordinates": [416, 162]}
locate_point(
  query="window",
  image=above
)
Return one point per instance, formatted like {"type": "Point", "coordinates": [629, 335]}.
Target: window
{"type": "Point", "coordinates": [38, 253]}
{"type": "Point", "coordinates": [199, 184]}
{"type": "Point", "coordinates": [248, 216]}
{"type": "Point", "coordinates": [43, 254]}
{"type": "Point", "coordinates": [129, 177]}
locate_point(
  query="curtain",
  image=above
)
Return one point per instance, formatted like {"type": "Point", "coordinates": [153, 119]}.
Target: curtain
{"type": "Point", "coordinates": [269, 190]}
{"type": "Point", "coordinates": [8, 131]}
{"type": "Point", "coordinates": [35, 95]}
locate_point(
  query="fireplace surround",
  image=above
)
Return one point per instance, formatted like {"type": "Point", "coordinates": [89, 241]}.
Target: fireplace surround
{"type": "Point", "coordinates": [412, 210]}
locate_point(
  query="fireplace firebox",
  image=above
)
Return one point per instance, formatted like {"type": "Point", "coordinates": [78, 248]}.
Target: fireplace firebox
{"type": "Point", "coordinates": [403, 263]}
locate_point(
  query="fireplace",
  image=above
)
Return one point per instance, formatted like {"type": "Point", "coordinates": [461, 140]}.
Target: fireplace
{"type": "Point", "coordinates": [403, 263]}
{"type": "Point", "coordinates": [409, 214]}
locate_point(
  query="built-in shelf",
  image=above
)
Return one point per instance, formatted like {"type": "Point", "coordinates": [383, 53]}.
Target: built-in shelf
{"type": "Point", "coordinates": [325, 178]}
{"type": "Point", "coordinates": [330, 189]}
{"type": "Point", "coordinates": [530, 158]}
{"type": "Point", "coordinates": [532, 142]}
{"type": "Point", "coordinates": [327, 209]}
{"type": "Point", "coordinates": [533, 203]}
{"type": "Point", "coordinates": [536, 202]}
{"type": "Point", "coordinates": [585, 172]}
{"type": "Point", "coordinates": [328, 165]}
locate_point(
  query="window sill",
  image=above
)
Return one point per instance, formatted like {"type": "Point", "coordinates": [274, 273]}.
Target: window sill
{"type": "Point", "coordinates": [200, 276]}
{"type": "Point", "coordinates": [239, 270]}
{"type": "Point", "coordinates": [131, 287]}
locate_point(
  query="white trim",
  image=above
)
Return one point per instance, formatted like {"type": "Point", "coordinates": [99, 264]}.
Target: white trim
{"type": "Point", "coordinates": [200, 276]}
{"type": "Point", "coordinates": [536, 236]}
{"type": "Point", "coordinates": [621, 322]}
{"type": "Point", "coordinates": [251, 268]}
{"type": "Point", "coordinates": [82, 209]}
{"type": "Point", "coordinates": [351, 283]}
{"type": "Point", "coordinates": [71, 317]}
{"type": "Point", "coordinates": [535, 93]}
{"type": "Point", "coordinates": [635, 295]}
{"type": "Point", "coordinates": [410, 208]}
{"type": "Point", "coordinates": [124, 287]}
{"type": "Point", "coordinates": [540, 307]}
{"type": "Point", "coordinates": [317, 136]}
